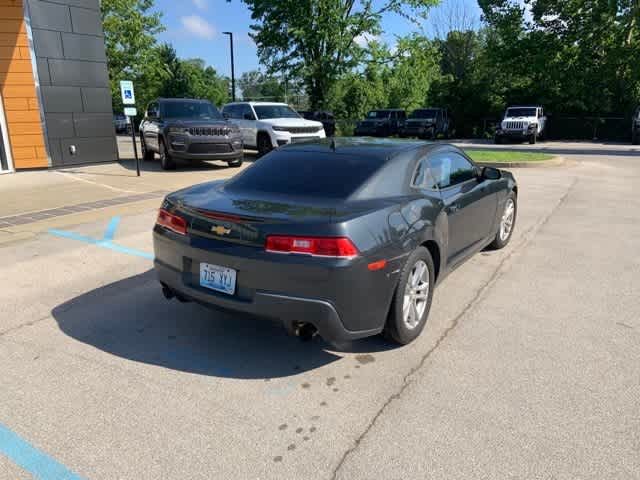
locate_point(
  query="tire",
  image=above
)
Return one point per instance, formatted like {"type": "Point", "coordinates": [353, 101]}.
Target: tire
{"type": "Point", "coordinates": [533, 139]}
{"type": "Point", "coordinates": [501, 240]}
{"type": "Point", "coordinates": [147, 155]}
{"type": "Point", "coordinates": [264, 144]}
{"type": "Point", "coordinates": [166, 162]}
{"type": "Point", "coordinates": [235, 163]}
{"type": "Point", "coordinates": [397, 329]}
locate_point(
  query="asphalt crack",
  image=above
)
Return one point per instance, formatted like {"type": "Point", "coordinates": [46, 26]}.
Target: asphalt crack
{"type": "Point", "coordinates": [407, 380]}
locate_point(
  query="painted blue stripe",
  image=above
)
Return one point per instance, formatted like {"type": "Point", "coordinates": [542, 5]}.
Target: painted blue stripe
{"type": "Point", "coordinates": [101, 243]}
{"type": "Point", "coordinates": [28, 457]}
{"type": "Point", "coordinates": [111, 229]}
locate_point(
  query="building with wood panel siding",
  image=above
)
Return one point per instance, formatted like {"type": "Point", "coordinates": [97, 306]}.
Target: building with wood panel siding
{"type": "Point", "coordinates": [55, 101]}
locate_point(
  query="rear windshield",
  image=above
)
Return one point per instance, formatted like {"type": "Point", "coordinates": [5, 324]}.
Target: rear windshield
{"type": "Point", "coordinates": [424, 114]}
{"type": "Point", "coordinates": [521, 112]}
{"type": "Point", "coordinates": [194, 110]}
{"type": "Point", "coordinates": [313, 174]}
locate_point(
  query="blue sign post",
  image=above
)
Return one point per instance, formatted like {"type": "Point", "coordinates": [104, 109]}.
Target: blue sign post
{"type": "Point", "coordinates": [129, 98]}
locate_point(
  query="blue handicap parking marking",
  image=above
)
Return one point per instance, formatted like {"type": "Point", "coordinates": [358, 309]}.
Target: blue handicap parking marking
{"type": "Point", "coordinates": [106, 241]}
{"type": "Point", "coordinates": [29, 458]}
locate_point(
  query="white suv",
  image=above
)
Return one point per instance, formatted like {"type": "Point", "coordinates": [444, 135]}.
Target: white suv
{"type": "Point", "coordinates": [522, 123]}
{"type": "Point", "coordinates": [266, 125]}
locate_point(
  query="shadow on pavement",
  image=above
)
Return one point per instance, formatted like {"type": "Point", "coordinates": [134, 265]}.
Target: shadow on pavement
{"type": "Point", "coordinates": [131, 319]}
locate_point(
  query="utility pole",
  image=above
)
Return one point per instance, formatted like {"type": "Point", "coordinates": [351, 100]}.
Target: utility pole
{"type": "Point", "coordinates": [233, 72]}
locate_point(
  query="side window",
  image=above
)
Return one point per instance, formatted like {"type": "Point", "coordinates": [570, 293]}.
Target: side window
{"type": "Point", "coordinates": [422, 177]}
{"type": "Point", "coordinates": [450, 169]}
{"type": "Point", "coordinates": [246, 110]}
{"type": "Point", "coordinates": [153, 110]}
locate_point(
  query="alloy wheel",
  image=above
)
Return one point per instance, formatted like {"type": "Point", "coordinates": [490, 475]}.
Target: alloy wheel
{"type": "Point", "coordinates": [416, 295]}
{"type": "Point", "coordinates": [506, 223]}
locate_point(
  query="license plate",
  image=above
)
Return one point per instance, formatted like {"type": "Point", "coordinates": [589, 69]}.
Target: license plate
{"type": "Point", "coordinates": [220, 279]}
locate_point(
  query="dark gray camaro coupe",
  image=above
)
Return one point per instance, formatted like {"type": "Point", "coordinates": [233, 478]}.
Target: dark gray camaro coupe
{"type": "Point", "coordinates": [346, 237]}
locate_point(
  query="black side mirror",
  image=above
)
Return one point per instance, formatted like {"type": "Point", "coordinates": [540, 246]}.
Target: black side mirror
{"type": "Point", "coordinates": [490, 173]}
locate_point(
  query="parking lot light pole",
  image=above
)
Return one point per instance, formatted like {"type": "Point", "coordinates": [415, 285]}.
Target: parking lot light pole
{"type": "Point", "coordinates": [233, 73]}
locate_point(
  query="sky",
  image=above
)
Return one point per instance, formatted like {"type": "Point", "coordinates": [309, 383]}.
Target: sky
{"type": "Point", "coordinates": [194, 28]}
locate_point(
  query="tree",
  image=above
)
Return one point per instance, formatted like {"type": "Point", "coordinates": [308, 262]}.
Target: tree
{"type": "Point", "coordinates": [130, 28]}
{"type": "Point", "coordinates": [256, 85]}
{"type": "Point", "coordinates": [317, 40]}
{"type": "Point", "coordinates": [189, 78]}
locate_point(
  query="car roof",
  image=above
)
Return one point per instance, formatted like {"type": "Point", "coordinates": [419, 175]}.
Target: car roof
{"type": "Point", "coordinates": [192, 100]}
{"type": "Point", "coordinates": [381, 148]}
{"type": "Point", "coordinates": [524, 106]}
{"type": "Point", "coordinates": [387, 110]}
{"type": "Point", "coordinates": [257, 103]}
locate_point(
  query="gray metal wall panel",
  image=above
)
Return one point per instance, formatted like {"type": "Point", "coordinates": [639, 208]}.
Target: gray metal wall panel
{"type": "Point", "coordinates": [89, 150]}
{"type": "Point", "coordinates": [50, 16]}
{"type": "Point", "coordinates": [93, 124]}
{"type": "Point", "coordinates": [72, 66]}
{"type": "Point", "coordinates": [61, 99]}
{"type": "Point", "coordinates": [47, 43]}
{"type": "Point", "coordinates": [92, 4]}
{"type": "Point", "coordinates": [86, 21]}
{"type": "Point", "coordinates": [43, 71]}
{"type": "Point", "coordinates": [59, 125]}
{"type": "Point", "coordinates": [84, 47]}
{"type": "Point", "coordinates": [55, 150]}
{"type": "Point", "coordinates": [78, 73]}
{"type": "Point", "coordinates": [97, 100]}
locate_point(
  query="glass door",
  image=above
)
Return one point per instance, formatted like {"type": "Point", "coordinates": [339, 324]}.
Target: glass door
{"type": "Point", "coordinates": [5, 152]}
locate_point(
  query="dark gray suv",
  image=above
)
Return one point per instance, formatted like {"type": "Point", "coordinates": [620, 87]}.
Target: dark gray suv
{"type": "Point", "coordinates": [180, 128]}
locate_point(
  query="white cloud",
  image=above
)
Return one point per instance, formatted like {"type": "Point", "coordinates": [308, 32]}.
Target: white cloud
{"type": "Point", "coordinates": [201, 4]}
{"type": "Point", "coordinates": [365, 38]}
{"type": "Point", "coordinates": [198, 26]}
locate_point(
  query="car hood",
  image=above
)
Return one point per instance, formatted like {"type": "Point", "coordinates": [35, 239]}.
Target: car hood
{"type": "Point", "coordinates": [291, 122]}
{"type": "Point", "coordinates": [197, 123]}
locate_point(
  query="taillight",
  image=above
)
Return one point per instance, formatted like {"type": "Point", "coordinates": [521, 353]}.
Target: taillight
{"type": "Point", "coordinates": [340, 247]}
{"type": "Point", "coordinates": [172, 222]}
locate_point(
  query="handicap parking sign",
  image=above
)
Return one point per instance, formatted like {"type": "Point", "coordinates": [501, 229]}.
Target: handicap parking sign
{"type": "Point", "coordinates": [126, 89]}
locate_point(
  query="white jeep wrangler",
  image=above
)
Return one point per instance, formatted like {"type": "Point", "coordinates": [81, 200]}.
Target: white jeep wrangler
{"type": "Point", "coordinates": [522, 123]}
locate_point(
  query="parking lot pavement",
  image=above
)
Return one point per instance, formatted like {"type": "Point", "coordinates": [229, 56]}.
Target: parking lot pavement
{"type": "Point", "coordinates": [528, 367]}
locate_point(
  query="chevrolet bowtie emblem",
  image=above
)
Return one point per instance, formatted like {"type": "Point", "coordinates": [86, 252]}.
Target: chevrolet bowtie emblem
{"type": "Point", "coordinates": [220, 230]}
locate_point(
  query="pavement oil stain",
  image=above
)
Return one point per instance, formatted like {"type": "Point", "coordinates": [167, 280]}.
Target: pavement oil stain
{"type": "Point", "coordinates": [331, 381]}
{"type": "Point", "coordinates": [347, 377]}
{"type": "Point", "coordinates": [277, 459]}
{"type": "Point", "coordinates": [306, 439]}
{"type": "Point", "coordinates": [312, 429]}
{"type": "Point", "coordinates": [299, 430]}
{"type": "Point", "coordinates": [282, 427]}
{"type": "Point", "coordinates": [315, 418]}
{"type": "Point", "coordinates": [306, 385]}
{"type": "Point", "coordinates": [365, 359]}
{"type": "Point", "coordinates": [323, 404]}
{"type": "Point", "coordinates": [336, 389]}
{"type": "Point", "coordinates": [291, 447]}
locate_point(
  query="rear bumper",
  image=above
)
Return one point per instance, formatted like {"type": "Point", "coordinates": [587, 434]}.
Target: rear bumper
{"type": "Point", "coordinates": [280, 291]}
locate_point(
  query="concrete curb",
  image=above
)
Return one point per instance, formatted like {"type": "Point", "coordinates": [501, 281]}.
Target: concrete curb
{"type": "Point", "coordinates": [554, 162]}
